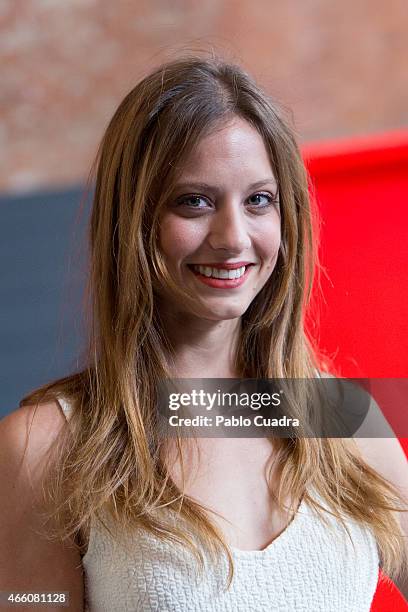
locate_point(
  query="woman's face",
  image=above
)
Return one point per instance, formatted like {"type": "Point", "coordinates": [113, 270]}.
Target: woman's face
{"type": "Point", "coordinates": [220, 231]}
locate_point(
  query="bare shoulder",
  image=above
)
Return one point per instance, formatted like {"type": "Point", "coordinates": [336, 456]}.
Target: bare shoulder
{"type": "Point", "coordinates": [38, 425]}
{"type": "Point", "coordinates": [28, 560]}
{"type": "Point", "coordinates": [376, 443]}
{"type": "Point", "coordinates": [381, 449]}
{"type": "Point", "coordinates": [26, 437]}
{"type": "Point", "coordinates": [387, 457]}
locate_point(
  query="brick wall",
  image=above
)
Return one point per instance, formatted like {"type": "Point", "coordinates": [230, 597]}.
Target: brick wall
{"type": "Point", "coordinates": [66, 64]}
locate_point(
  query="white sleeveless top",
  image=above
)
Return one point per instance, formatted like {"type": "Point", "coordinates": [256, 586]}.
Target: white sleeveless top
{"type": "Point", "coordinates": [307, 568]}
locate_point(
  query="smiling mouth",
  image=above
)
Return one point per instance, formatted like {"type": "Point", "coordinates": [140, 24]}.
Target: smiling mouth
{"type": "Point", "coordinates": [220, 273]}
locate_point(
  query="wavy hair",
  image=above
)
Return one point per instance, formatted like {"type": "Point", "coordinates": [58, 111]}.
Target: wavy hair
{"type": "Point", "coordinates": [108, 463]}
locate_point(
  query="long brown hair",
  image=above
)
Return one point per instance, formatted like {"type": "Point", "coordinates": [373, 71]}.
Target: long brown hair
{"type": "Point", "coordinates": [108, 460]}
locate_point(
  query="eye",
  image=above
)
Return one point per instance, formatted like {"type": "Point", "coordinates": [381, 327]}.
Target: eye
{"type": "Point", "coordinates": [192, 201]}
{"type": "Point", "coordinates": [262, 200]}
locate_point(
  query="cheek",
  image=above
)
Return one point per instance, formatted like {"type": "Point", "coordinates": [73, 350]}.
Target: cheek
{"type": "Point", "coordinates": [268, 241]}
{"type": "Point", "coordinates": [178, 238]}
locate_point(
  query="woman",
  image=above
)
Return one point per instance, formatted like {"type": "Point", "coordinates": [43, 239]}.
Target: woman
{"type": "Point", "coordinates": [199, 178]}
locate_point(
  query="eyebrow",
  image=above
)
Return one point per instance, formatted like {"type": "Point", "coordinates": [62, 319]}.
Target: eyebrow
{"type": "Point", "coordinates": [207, 187]}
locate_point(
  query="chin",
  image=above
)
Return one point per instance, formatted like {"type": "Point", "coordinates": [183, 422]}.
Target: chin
{"type": "Point", "coordinates": [224, 314]}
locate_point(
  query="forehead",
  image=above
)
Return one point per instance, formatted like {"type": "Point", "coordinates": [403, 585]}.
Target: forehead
{"type": "Point", "coordinates": [235, 148]}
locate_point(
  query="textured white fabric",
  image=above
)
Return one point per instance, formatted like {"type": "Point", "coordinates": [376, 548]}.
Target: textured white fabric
{"type": "Point", "coordinates": [308, 568]}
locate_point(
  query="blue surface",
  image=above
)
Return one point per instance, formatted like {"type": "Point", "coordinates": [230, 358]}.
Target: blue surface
{"type": "Point", "coordinates": [42, 261]}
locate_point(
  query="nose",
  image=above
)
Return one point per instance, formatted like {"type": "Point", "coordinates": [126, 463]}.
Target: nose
{"type": "Point", "coordinates": [228, 228]}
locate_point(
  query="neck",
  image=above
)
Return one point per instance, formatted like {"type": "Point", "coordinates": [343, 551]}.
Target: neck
{"type": "Point", "coordinates": [201, 348]}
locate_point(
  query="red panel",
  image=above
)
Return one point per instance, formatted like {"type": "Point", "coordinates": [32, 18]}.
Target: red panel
{"type": "Point", "coordinates": [362, 195]}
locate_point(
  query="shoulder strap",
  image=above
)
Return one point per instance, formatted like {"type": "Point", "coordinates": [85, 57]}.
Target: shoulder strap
{"type": "Point", "coordinates": [65, 407]}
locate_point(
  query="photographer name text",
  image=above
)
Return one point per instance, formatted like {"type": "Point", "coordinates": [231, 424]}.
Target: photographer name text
{"type": "Point", "coordinates": [231, 421]}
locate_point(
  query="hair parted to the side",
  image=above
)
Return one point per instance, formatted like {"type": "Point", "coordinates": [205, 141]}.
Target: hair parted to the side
{"type": "Point", "coordinates": [108, 461]}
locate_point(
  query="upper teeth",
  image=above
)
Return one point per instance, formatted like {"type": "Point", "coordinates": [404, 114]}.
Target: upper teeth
{"type": "Point", "coordinates": [220, 272]}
